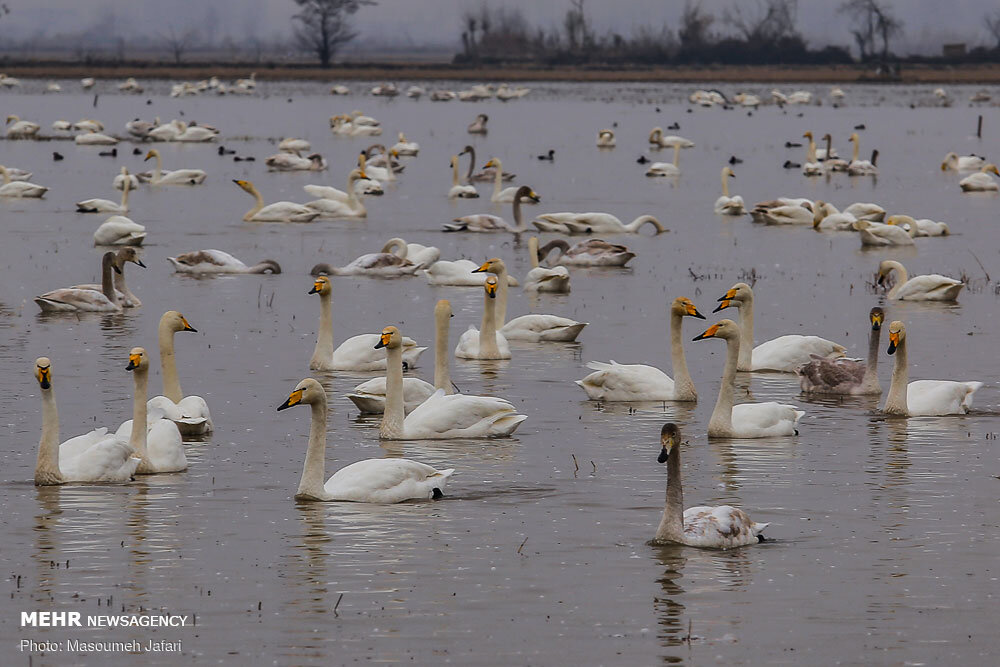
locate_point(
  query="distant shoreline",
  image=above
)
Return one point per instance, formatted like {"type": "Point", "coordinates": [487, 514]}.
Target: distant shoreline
{"type": "Point", "coordinates": [842, 74]}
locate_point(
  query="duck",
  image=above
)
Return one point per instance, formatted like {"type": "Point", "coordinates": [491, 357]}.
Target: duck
{"type": "Point", "coordinates": [459, 190]}
{"type": "Point", "coordinates": [922, 397]}
{"type": "Point", "coordinates": [175, 177]}
{"type": "Point", "coordinates": [542, 279]}
{"type": "Point", "coordinates": [119, 230]}
{"type": "Point", "coordinates": [421, 255]}
{"type": "Point", "coordinates": [606, 139]}
{"type": "Point", "coordinates": [827, 218]}
{"type": "Point", "coordinates": [932, 287]}
{"type": "Point", "coordinates": [350, 207]}
{"type": "Point", "coordinates": [846, 376]}
{"type": "Point", "coordinates": [923, 227]}
{"type": "Point", "coordinates": [592, 252]}
{"type": "Point", "coordinates": [21, 129]}
{"type": "Point", "coordinates": [442, 416]}
{"type": "Point", "coordinates": [123, 294]}
{"type": "Point", "coordinates": [962, 162]}
{"type": "Point", "coordinates": [92, 457]}
{"type": "Point", "coordinates": [747, 420]}
{"type": "Point", "coordinates": [485, 222]}
{"type": "Point", "coordinates": [406, 147]}
{"type": "Point", "coordinates": [486, 175]}
{"type": "Point", "coordinates": [92, 138]}
{"type": "Point", "coordinates": [783, 354]}
{"type": "Point", "coordinates": [158, 445]}
{"type": "Point", "coordinates": [382, 481]}
{"type": "Point", "coordinates": [20, 189]}
{"type": "Point", "coordinates": [593, 223]}
{"type": "Point", "coordinates": [666, 168]}
{"type": "Point", "coordinates": [190, 413]}
{"type": "Point", "coordinates": [76, 300]}
{"type": "Point", "coordinates": [726, 205]}
{"type": "Point", "coordinates": [506, 195]}
{"type": "Point", "coordinates": [639, 382]}
{"type": "Point", "coordinates": [485, 342]}
{"type": "Point", "coordinates": [657, 138]}
{"type": "Point", "coordinates": [282, 211]}
{"type": "Point", "coordinates": [981, 181]}
{"type": "Point", "coordinates": [478, 126]}
{"type": "Point", "coordinates": [356, 353]}
{"type": "Point", "coordinates": [719, 527]}
{"type": "Point", "coordinates": [210, 261]}
{"type": "Point", "coordinates": [876, 234]}
{"type": "Point", "coordinates": [106, 205]}
{"type": "Point", "coordinates": [548, 157]}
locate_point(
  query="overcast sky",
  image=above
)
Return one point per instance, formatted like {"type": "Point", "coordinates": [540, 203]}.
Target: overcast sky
{"type": "Point", "coordinates": [928, 23]}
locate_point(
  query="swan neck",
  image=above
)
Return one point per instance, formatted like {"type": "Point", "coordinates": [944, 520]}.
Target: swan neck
{"type": "Point", "coordinates": [488, 348]}
{"type": "Point", "coordinates": [811, 151]}
{"type": "Point", "coordinates": [124, 204]}
{"type": "Point", "coordinates": [518, 222]}
{"type": "Point", "coordinates": [721, 422]}
{"type": "Point", "coordinates": [138, 438]}
{"type": "Point", "coordinates": [500, 308]}
{"type": "Point", "coordinates": [895, 401]}
{"type": "Point", "coordinates": [683, 384]}
{"type": "Point", "coordinates": [870, 379]}
{"type": "Point", "coordinates": [258, 205]}
{"type": "Point", "coordinates": [47, 464]}
{"type": "Point", "coordinates": [454, 172]}
{"type": "Point", "coordinates": [472, 163]}
{"type": "Point", "coordinates": [323, 352]}
{"type": "Point", "coordinates": [497, 180]}
{"type": "Point", "coordinates": [671, 527]}
{"type": "Point", "coordinates": [158, 174]}
{"type": "Point", "coordinates": [392, 418]}
{"type": "Point", "coordinates": [107, 282]}
{"type": "Point", "coordinates": [168, 363]}
{"type": "Point", "coordinates": [901, 275]}
{"type": "Point", "coordinates": [857, 150]}
{"type": "Point", "coordinates": [442, 374]}
{"type": "Point", "coordinates": [313, 470]}
{"type": "Point", "coordinates": [677, 154]}
{"type": "Point", "coordinates": [533, 251]}
{"type": "Point", "coordinates": [725, 185]}
{"type": "Point", "coordinates": [746, 335]}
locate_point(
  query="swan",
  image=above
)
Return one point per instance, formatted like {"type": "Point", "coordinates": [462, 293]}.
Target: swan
{"type": "Point", "coordinates": [93, 138]}
{"type": "Point", "coordinates": [356, 353]}
{"type": "Point", "coordinates": [119, 230]}
{"type": "Point", "coordinates": [87, 82]}
{"type": "Point", "coordinates": [340, 89]}
{"type": "Point", "coordinates": [139, 128]}
{"type": "Point", "coordinates": [593, 223]}
{"type": "Point", "coordinates": [858, 167]}
{"type": "Point", "coordinates": [486, 342]}
{"type": "Point", "coordinates": [175, 177]}
{"type": "Point", "coordinates": [73, 300]}
{"type": "Point", "coordinates": [787, 215]}
{"type": "Point", "coordinates": [726, 205]}
{"type": "Point", "coordinates": [866, 211]}
{"type": "Point", "coordinates": [457, 188]}
{"type": "Point", "coordinates": [88, 125]}
{"type": "Point", "coordinates": [384, 481]}
{"type": "Point", "coordinates": [294, 145]}
{"type": "Point", "coordinates": [606, 139]}
{"type": "Point", "coordinates": [92, 457]}
{"type": "Point", "coordinates": [485, 222]}
{"type": "Point", "coordinates": [592, 252]}
{"type": "Point", "coordinates": [478, 126]}
{"type": "Point", "coordinates": [19, 189]}
{"type": "Point", "coordinates": [834, 163]}
{"type": "Point", "coordinates": [932, 287]}
{"type": "Point", "coordinates": [981, 181]}
{"type": "Point", "coordinates": [105, 205]}
{"type": "Point", "coordinates": [783, 354]}
{"type": "Point", "coordinates": [362, 186]}
{"type": "Point", "coordinates": [922, 397]}
{"type": "Point", "coordinates": [666, 168]}
{"type": "Point", "coordinates": [341, 124]}
{"type": "Point", "coordinates": [639, 382]}
{"type": "Point", "coordinates": [657, 138]}
{"type": "Point", "coordinates": [843, 375]}
{"type": "Point", "coordinates": [404, 147]}
{"type": "Point", "coordinates": [761, 209]}
{"type": "Point", "coordinates": [829, 153]}
{"type": "Point", "coordinates": [189, 413]}
{"type": "Point", "coordinates": [719, 527]}
{"type": "Point", "coordinates": [351, 207]}
{"type": "Point", "coordinates": [533, 327]}
{"type": "Point", "coordinates": [123, 294]}
{"type": "Point", "coordinates": [486, 175]}
{"type": "Point", "coordinates": [21, 129]}
{"type": "Point", "coordinates": [159, 445]}
{"type": "Point", "coordinates": [196, 133]}
{"type": "Point", "coordinates": [506, 195]}
{"type": "Point", "coordinates": [217, 261]}
{"type": "Point", "coordinates": [542, 279]}
{"type": "Point", "coordinates": [461, 273]}
{"type": "Point", "coordinates": [748, 420]}
{"type": "Point", "coordinates": [132, 180]}
{"type": "Point", "coordinates": [924, 227]}
{"type": "Point", "coordinates": [442, 416]}
{"type": "Point", "coordinates": [130, 85]}
{"type": "Point", "coordinates": [962, 163]}
{"type": "Point", "coordinates": [876, 234]}
{"type": "Point", "coordinates": [381, 173]}
{"type": "Point", "coordinates": [827, 218]}
{"type": "Point", "coordinates": [369, 397]}
{"type": "Point", "coordinates": [19, 174]}
{"type": "Point", "coordinates": [295, 162]}
{"type": "Point", "coordinates": [380, 264]}
{"type": "Point", "coordinates": [812, 165]}
{"type": "Point", "coordinates": [421, 255]}
{"type": "Point", "coordinates": [282, 211]}
{"type": "Point", "coordinates": [166, 131]}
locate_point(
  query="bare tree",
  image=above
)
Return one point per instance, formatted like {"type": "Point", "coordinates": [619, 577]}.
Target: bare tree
{"type": "Point", "coordinates": [325, 25]}
{"type": "Point", "coordinates": [992, 22]}
{"type": "Point", "coordinates": [179, 42]}
{"type": "Point", "coordinates": [575, 24]}
{"type": "Point", "coordinates": [873, 20]}
{"type": "Point", "coordinates": [694, 25]}
{"type": "Point", "coordinates": [772, 20]}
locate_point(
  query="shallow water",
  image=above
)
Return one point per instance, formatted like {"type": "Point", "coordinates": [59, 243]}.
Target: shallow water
{"type": "Point", "coordinates": [883, 539]}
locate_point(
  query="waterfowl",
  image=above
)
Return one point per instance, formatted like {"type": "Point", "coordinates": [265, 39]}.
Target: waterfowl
{"type": "Point", "coordinates": [858, 167]}
{"type": "Point", "coordinates": [666, 168]}
{"type": "Point", "coordinates": [294, 145]}
{"type": "Point", "coordinates": [105, 205]}
{"type": "Point", "coordinates": [866, 211]}
{"type": "Point", "coordinates": [923, 227]}
{"type": "Point", "coordinates": [507, 195]}
{"type": "Point", "coordinates": [92, 138]}
{"type": "Point", "coordinates": [62, 125]}
{"type": "Point", "coordinates": [21, 129]}
{"type": "Point", "coordinates": [175, 177]}
{"type": "Point", "coordinates": [123, 295]}
{"type": "Point", "coordinates": [843, 375]}
{"type": "Point", "coordinates": [931, 287]}
{"type": "Point", "coordinates": [284, 161]}
{"type": "Point", "coordinates": [71, 299]}
{"type": "Point", "coordinates": [726, 205]}
{"type": "Point", "coordinates": [460, 273]}
{"type": "Point", "coordinates": [421, 255]}
{"type": "Point", "coordinates": [486, 175]}
{"type": "Point", "coordinates": [192, 133]}
{"type": "Point", "coordinates": [812, 165]}
{"type": "Point", "coordinates": [876, 234]}
{"type": "Point", "coordinates": [282, 211]}
{"type": "Point", "coordinates": [478, 126]}
{"type": "Point", "coordinates": [593, 223]}
{"type": "Point", "coordinates": [343, 125]}
{"type": "Point", "coordinates": [405, 147]}
{"type": "Point", "coordinates": [158, 444]}
{"type": "Point", "coordinates": [592, 252]}
{"type": "Point", "coordinates": [549, 157]}
{"type": "Point", "coordinates": [981, 181]}
{"type": "Point", "coordinates": [380, 264]}
{"type": "Point", "coordinates": [349, 207]}
{"type": "Point", "coordinates": [485, 342]}
{"type": "Point", "coordinates": [485, 222]}
{"type": "Point", "coordinates": [828, 218]}
{"type": "Point", "coordinates": [962, 163]}
{"type": "Point", "coordinates": [606, 139]}
{"type": "Point", "coordinates": [458, 190]}
{"type": "Point", "coordinates": [217, 261]}
{"type": "Point", "coordinates": [189, 413]}
{"type": "Point", "coordinates": [20, 189]}
{"type": "Point", "coordinates": [761, 210]}
{"type": "Point", "coordinates": [119, 230]}
{"type": "Point", "coordinates": [657, 138]}
{"type": "Point", "coordinates": [543, 279]}
{"type": "Point", "coordinates": [373, 169]}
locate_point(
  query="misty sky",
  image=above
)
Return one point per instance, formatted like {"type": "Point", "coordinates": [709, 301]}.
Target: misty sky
{"type": "Point", "coordinates": [436, 22]}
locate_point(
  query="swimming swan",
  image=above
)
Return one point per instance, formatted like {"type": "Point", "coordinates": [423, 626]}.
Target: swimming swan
{"type": "Point", "coordinates": [843, 375]}
{"type": "Point", "coordinates": [924, 227]}
{"type": "Point", "coordinates": [73, 299]}
{"type": "Point", "coordinates": [981, 181]}
{"type": "Point", "coordinates": [606, 139]}
{"type": "Point", "coordinates": [486, 175]}
{"type": "Point", "coordinates": [217, 261]}
{"type": "Point", "coordinates": [119, 230]}
{"type": "Point", "coordinates": [20, 188]}
{"type": "Point", "coordinates": [593, 223]}
{"type": "Point", "coordinates": [485, 222]}
{"type": "Point", "coordinates": [123, 294]}
{"type": "Point", "coordinates": [378, 264]}
{"type": "Point", "coordinates": [877, 234]}
{"type": "Point", "coordinates": [503, 195]}
{"type": "Point", "coordinates": [543, 279]}
{"type": "Point", "coordinates": [657, 138]}
{"type": "Point", "coordinates": [726, 205]}
{"type": "Point", "coordinates": [105, 205]}
{"type": "Point", "coordinates": [666, 168]}
{"type": "Point", "coordinates": [421, 255]}
{"type": "Point", "coordinates": [282, 211]}
{"type": "Point", "coordinates": [931, 287]}
{"type": "Point", "coordinates": [465, 191]}
{"type": "Point", "coordinates": [159, 444]}
{"type": "Point", "coordinates": [189, 413]}
{"type": "Point", "coordinates": [962, 163]}
{"type": "Point", "coordinates": [592, 252]}
{"type": "Point", "coordinates": [485, 342]}
{"type": "Point", "coordinates": [348, 207]}
{"type": "Point", "coordinates": [176, 177]}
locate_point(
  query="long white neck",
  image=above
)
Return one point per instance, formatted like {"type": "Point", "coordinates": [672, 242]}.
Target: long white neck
{"type": "Point", "coordinates": [683, 384]}
{"type": "Point", "coordinates": [895, 401]}
{"type": "Point", "coordinates": [392, 418]}
{"type": "Point", "coordinates": [168, 364]}
{"type": "Point", "coordinates": [643, 219]}
{"type": "Point", "coordinates": [352, 197]}
{"type": "Point", "coordinates": [259, 204]}
{"type": "Point", "coordinates": [721, 422]}
{"type": "Point", "coordinates": [47, 464]}
{"type": "Point", "coordinates": [746, 334]}
{"type": "Point", "coordinates": [323, 352]}
{"type": "Point", "coordinates": [158, 174]}
{"type": "Point", "coordinates": [6, 175]}
{"type": "Point", "coordinates": [500, 308]}
{"type": "Point", "coordinates": [870, 380]}
{"type": "Point", "coordinates": [533, 251]}
{"type": "Point", "coordinates": [313, 470]}
{"type": "Point", "coordinates": [901, 275]}
{"type": "Point", "coordinates": [677, 154]}
{"type": "Point", "coordinates": [725, 185]}
{"type": "Point", "coordinates": [857, 149]}
{"type": "Point", "coordinates": [671, 528]}
{"type": "Point", "coordinates": [137, 440]}
{"type": "Point", "coordinates": [498, 178]}
{"type": "Point", "coordinates": [124, 204]}
{"type": "Point", "coordinates": [488, 332]}
{"type": "Point", "coordinates": [442, 374]}
{"type": "Point", "coordinates": [454, 173]}
{"type": "Point", "coordinates": [107, 282]}
{"type": "Point", "coordinates": [811, 151]}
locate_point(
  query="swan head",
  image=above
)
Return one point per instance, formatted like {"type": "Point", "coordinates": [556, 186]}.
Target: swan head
{"type": "Point", "coordinates": [491, 286]}
{"type": "Point", "coordinates": [877, 317]}
{"type": "Point", "coordinates": [246, 186]}
{"type": "Point", "coordinates": [443, 309]}
{"type": "Point", "coordinates": [12, 119]}
{"type": "Point", "coordinates": [494, 265]}
{"type": "Point", "coordinates": [390, 338]}
{"type": "Point", "coordinates": [321, 286]}
{"type": "Point", "coordinates": [854, 138]}
{"type": "Point", "coordinates": [43, 372]}
{"type": "Point", "coordinates": [670, 437]}
{"type": "Point", "coordinates": [682, 306]}
{"type": "Point", "coordinates": [808, 135]}
{"type": "Point", "coordinates": [897, 334]}
{"type": "Point", "coordinates": [306, 392]}
{"type": "Point", "coordinates": [991, 169]}
{"type": "Point", "coordinates": [491, 163]}
{"type": "Point", "coordinates": [949, 159]}
{"type": "Point", "coordinates": [151, 154]}
{"type": "Point", "coordinates": [903, 221]}
{"type": "Point", "coordinates": [827, 137]}
{"type": "Point", "coordinates": [128, 254]}
{"type": "Point", "coordinates": [174, 321]}
{"type": "Point", "coordinates": [726, 329]}
{"type": "Point", "coordinates": [737, 295]}
{"type": "Point", "coordinates": [728, 172]}
{"type": "Point", "coordinates": [137, 360]}
{"type": "Point", "coordinates": [525, 191]}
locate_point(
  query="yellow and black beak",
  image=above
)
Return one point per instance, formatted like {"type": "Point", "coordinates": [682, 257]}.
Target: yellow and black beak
{"type": "Point", "coordinates": [482, 269]}
{"type": "Point", "coordinates": [187, 327]}
{"type": "Point", "coordinates": [139, 262]}
{"type": "Point", "coordinates": [149, 156]}
{"type": "Point", "coordinates": [133, 362]}
{"type": "Point", "coordinates": [533, 196]}
{"type": "Point", "coordinates": [294, 398]}
{"type": "Point", "coordinates": [693, 312]}
{"type": "Point", "coordinates": [893, 341]}
{"type": "Point", "coordinates": [317, 286]}
{"type": "Point", "coordinates": [383, 340]}
{"type": "Point", "coordinates": [664, 455]}
{"type": "Point", "coordinates": [723, 304]}
{"type": "Point", "coordinates": [881, 279]}
{"type": "Point", "coordinates": [707, 333]}
{"type": "Point", "coordinates": [877, 320]}
{"type": "Point", "coordinates": [44, 376]}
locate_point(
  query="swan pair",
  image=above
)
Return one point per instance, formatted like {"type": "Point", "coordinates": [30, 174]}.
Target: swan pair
{"type": "Point", "coordinates": [593, 223]}
{"type": "Point", "coordinates": [543, 279]}
{"type": "Point", "coordinates": [104, 298]}
{"type": "Point", "coordinates": [962, 163]}
{"type": "Point", "coordinates": [350, 206]}
{"type": "Point", "coordinates": [502, 195]}
{"type": "Point", "coordinates": [486, 223]}
{"type": "Point", "coordinates": [19, 188]}
{"type": "Point", "coordinates": [282, 211]}
{"type": "Point", "coordinates": [931, 287]}
{"type": "Point", "coordinates": [726, 205]}
{"type": "Point", "coordinates": [486, 175]}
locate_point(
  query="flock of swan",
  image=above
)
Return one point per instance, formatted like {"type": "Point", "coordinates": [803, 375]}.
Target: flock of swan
{"type": "Point", "coordinates": [413, 408]}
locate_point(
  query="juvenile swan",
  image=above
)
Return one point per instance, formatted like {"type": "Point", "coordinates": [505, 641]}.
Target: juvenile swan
{"type": "Point", "coordinates": [846, 376]}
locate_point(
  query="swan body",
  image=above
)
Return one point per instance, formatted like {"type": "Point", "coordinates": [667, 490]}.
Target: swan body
{"type": "Point", "coordinates": [421, 255]}
{"type": "Point", "coordinates": [503, 195]}
{"type": "Point", "coordinates": [981, 181]}
{"type": "Point", "coordinates": [84, 299]}
{"type": "Point", "coordinates": [477, 126]}
{"type": "Point", "coordinates": [932, 287]}
{"type": "Point", "coordinates": [105, 205]}
{"type": "Point", "coordinates": [543, 279]}
{"type": "Point", "coordinates": [593, 223]}
{"type": "Point", "coordinates": [175, 177]}
{"type": "Point", "coordinates": [218, 261]}
{"type": "Point", "coordinates": [592, 252]}
{"type": "Point", "coordinates": [666, 168]}
{"type": "Point", "coordinates": [404, 147]}
{"type": "Point", "coordinates": [21, 129]}
{"type": "Point", "coordinates": [158, 445]}
{"type": "Point", "coordinates": [923, 227]}
{"type": "Point", "coordinates": [876, 234]}
{"type": "Point", "coordinates": [487, 342]}
{"type": "Point", "coordinates": [865, 211]}
{"type": "Point", "coordinates": [190, 413]}
{"type": "Point", "coordinates": [282, 211]}
{"type": "Point", "coordinates": [657, 138]}
{"type": "Point", "coordinates": [487, 223]}
{"type": "Point", "coordinates": [294, 145]}
{"type": "Point", "coordinates": [93, 138]}
{"type": "Point", "coordinates": [842, 375]}
{"type": "Point", "coordinates": [458, 189]}
{"type": "Point", "coordinates": [119, 230]}
{"type": "Point", "coordinates": [20, 189]}
{"type": "Point", "coordinates": [828, 218]}
{"type": "Point", "coordinates": [123, 296]}
{"type": "Point", "coordinates": [962, 163]}
{"type": "Point", "coordinates": [294, 162]}
{"type": "Point", "coordinates": [606, 139]}
{"type": "Point", "coordinates": [461, 272]}
{"type": "Point", "coordinates": [726, 205]}
{"type": "Point", "coordinates": [381, 264]}
{"type": "Point", "coordinates": [195, 134]}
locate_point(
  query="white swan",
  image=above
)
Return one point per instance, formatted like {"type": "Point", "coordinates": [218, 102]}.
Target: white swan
{"type": "Point", "coordinates": [812, 165]}
{"type": "Point", "coordinates": [593, 223]}
{"type": "Point", "coordinates": [748, 420]}
{"type": "Point", "coordinates": [191, 133]}
{"type": "Point", "coordinates": [843, 375]}
{"type": "Point", "coordinates": [719, 527]}
{"type": "Point", "coordinates": [119, 230]}
{"type": "Point", "coordinates": [877, 234]}
{"type": "Point", "coordinates": [592, 252]}
{"type": "Point", "coordinates": [159, 444]}
{"type": "Point", "coordinates": [785, 215]}
{"type": "Point", "coordinates": [175, 177]}
{"type": "Point", "coordinates": [639, 382]}
{"type": "Point", "coordinates": [21, 129]}
{"type": "Point", "coordinates": [216, 261]}
{"type": "Point", "coordinates": [485, 222]}
{"type": "Point", "coordinates": [92, 138]}
{"type": "Point", "coordinates": [606, 139]}
{"type": "Point", "coordinates": [931, 287]}
{"type": "Point", "coordinates": [92, 457]}
{"type": "Point", "coordinates": [922, 397]}
{"type": "Point", "coordinates": [295, 162]}
{"type": "Point", "coordinates": [404, 147]}
{"type": "Point", "coordinates": [72, 299]}
{"type": "Point", "coordinates": [761, 209]}
{"type": "Point", "coordinates": [657, 138]}
{"type": "Point", "coordinates": [350, 207]}
{"type": "Point", "coordinates": [981, 181]}
{"type": "Point", "coordinates": [20, 189]}
{"type": "Point", "coordinates": [123, 294]}
{"type": "Point", "coordinates": [542, 279]}
{"type": "Point", "coordinates": [465, 191]}
{"type": "Point", "coordinates": [478, 126]}
{"type": "Point", "coordinates": [666, 168]}
{"type": "Point", "coordinates": [923, 227]}
{"type": "Point", "coordinates": [421, 255]}
{"type": "Point", "coordinates": [166, 131]}
{"type": "Point", "coordinates": [282, 211]}
{"type": "Point", "coordinates": [105, 205]}
{"type": "Point", "coordinates": [357, 353]}
{"type": "Point", "coordinates": [189, 413]}
{"type": "Point", "coordinates": [507, 195]}
{"type": "Point", "coordinates": [866, 211]}
{"type": "Point", "coordinates": [783, 354]}
{"type": "Point", "coordinates": [460, 273]}
{"type": "Point", "coordinates": [368, 481]}
{"type": "Point", "coordinates": [857, 167]}
{"type": "Point", "coordinates": [294, 145]}
{"type": "Point", "coordinates": [485, 342]}
{"type": "Point", "coordinates": [962, 163]}
{"type": "Point", "coordinates": [442, 416]}
{"type": "Point", "coordinates": [726, 205]}
{"type": "Point", "coordinates": [827, 218]}
{"type": "Point", "coordinates": [344, 126]}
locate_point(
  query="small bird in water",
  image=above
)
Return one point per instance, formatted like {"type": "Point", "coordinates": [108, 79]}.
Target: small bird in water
{"type": "Point", "coordinates": [735, 160]}
{"type": "Point", "coordinates": [642, 159]}
{"type": "Point", "coordinates": [792, 144]}
{"type": "Point", "coordinates": [111, 153]}
{"type": "Point", "coordinates": [226, 151]}
{"type": "Point", "coordinates": [550, 156]}
{"type": "Point", "coordinates": [860, 127]}
{"type": "Point", "coordinates": [136, 151]}
{"type": "Point", "coordinates": [56, 156]}
{"type": "Point", "coordinates": [791, 165]}
{"type": "Point", "coordinates": [674, 126]}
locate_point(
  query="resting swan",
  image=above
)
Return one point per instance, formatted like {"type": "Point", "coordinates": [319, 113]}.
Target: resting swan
{"type": "Point", "coordinates": [217, 261]}
{"type": "Point", "coordinates": [922, 397]}
{"type": "Point", "coordinates": [356, 353]}
{"type": "Point", "coordinates": [858, 167]}
{"type": "Point", "coordinates": [639, 382]}
{"type": "Point", "coordinates": [783, 354]}
{"type": "Point", "coordinates": [486, 175]}
{"type": "Point", "coordinates": [21, 129]}
{"type": "Point", "coordinates": [22, 189]}
{"type": "Point", "coordinates": [846, 376]}
{"type": "Point", "coordinates": [923, 227]}
{"type": "Point", "coordinates": [421, 255]}
{"type": "Point", "coordinates": [348, 207]}
{"type": "Point", "coordinates": [503, 195]}
{"type": "Point", "coordinates": [877, 234]}
{"type": "Point", "coordinates": [378, 264]}
{"type": "Point", "coordinates": [442, 416]}
{"type": "Point", "coordinates": [981, 181]}
{"type": "Point", "coordinates": [368, 481]}
{"type": "Point", "coordinates": [159, 444]}
{"type": "Point", "coordinates": [465, 191]}
{"type": "Point", "coordinates": [666, 168]}
{"type": "Point", "coordinates": [931, 287]}
{"type": "Point", "coordinates": [175, 177]}
{"type": "Point", "coordinates": [720, 527]}
{"type": "Point", "coordinates": [282, 211]}
{"type": "Point", "coordinates": [726, 205]}
{"type": "Point", "coordinates": [460, 273]}
{"type": "Point", "coordinates": [828, 218]}
{"type": "Point", "coordinates": [606, 139]}
{"type": "Point", "coordinates": [92, 457]}
{"type": "Point", "coordinates": [657, 138]}
{"type": "Point", "coordinates": [104, 205]}
{"type": "Point", "coordinates": [962, 163]}
{"type": "Point", "coordinates": [748, 420]}
{"type": "Point", "coordinates": [543, 279]}
{"type": "Point", "coordinates": [75, 299]}
{"type": "Point", "coordinates": [593, 223]}
{"type": "Point", "coordinates": [485, 222]}
{"type": "Point", "coordinates": [404, 147]}
{"type": "Point", "coordinates": [592, 252]}
{"type": "Point", "coordinates": [486, 342]}
{"type": "Point", "coordinates": [123, 294]}
{"type": "Point", "coordinates": [189, 413]}
{"type": "Point", "coordinates": [119, 230]}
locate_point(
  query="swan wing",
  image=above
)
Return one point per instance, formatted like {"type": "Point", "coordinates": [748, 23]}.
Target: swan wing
{"type": "Point", "coordinates": [70, 299]}
{"type": "Point", "coordinates": [787, 353]}
{"type": "Point", "coordinates": [721, 527]}
{"type": "Point", "coordinates": [369, 396]}
{"type": "Point", "coordinates": [481, 222]}
{"type": "Point", "coordinates": [386, 481]}
{"type": "Point", "coordinates": [81, 443]}
{"type": "Point", "coordinates": [627, 382]}
{"type": "Point", "coordinates": [461, 416]}
{"type": "Point", "coordinates": [286, 211]}
{"type": "Point", "coordinates": [940, 397]}
{"type": "Point", "coordinates": [538, 327]}
{"type": "Point", "coordinates": [931, 287]}
{"type": "Point", "coordinates": [108, 459]}
{"type": "Point", "coordinates": [325, 192]}
{"type": "Point", "coordinates": [761, 420]}
{"type": "Point", "coordinates": [208, 261]}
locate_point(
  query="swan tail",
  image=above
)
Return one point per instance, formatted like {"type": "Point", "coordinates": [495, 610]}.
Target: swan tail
{"type": "Point", "coordinates": [367, 404]}
{"type": "Point", "coordinates": [971, 389]}
{"type": "Point", "coordinates": [600, 365]}
{"type": "Point", "coordinates": [456, 226]}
